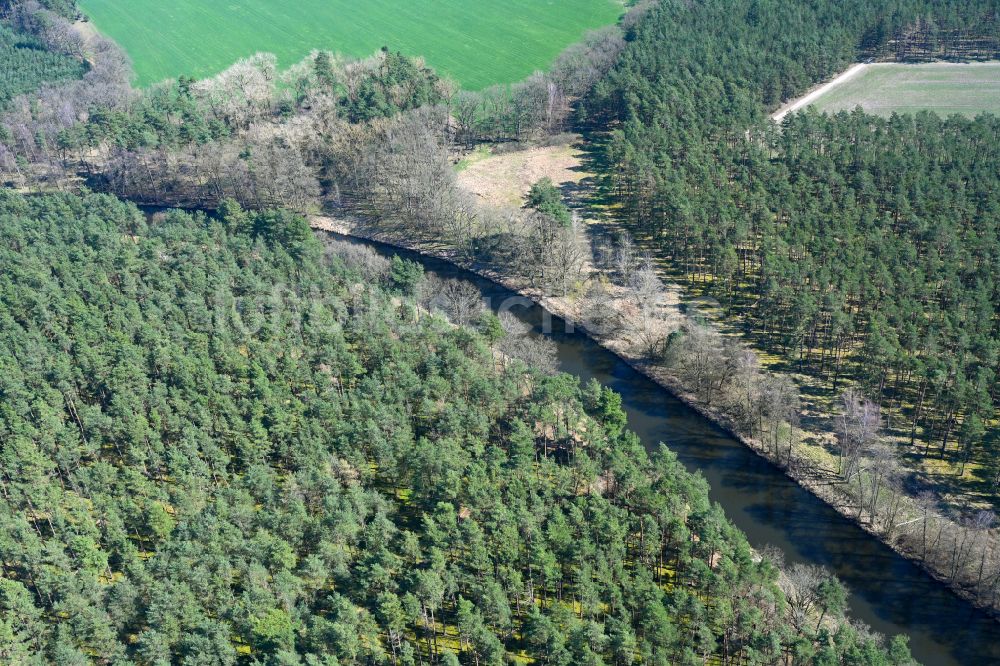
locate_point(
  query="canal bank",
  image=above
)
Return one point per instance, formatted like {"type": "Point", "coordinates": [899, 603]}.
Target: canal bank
{"type": "Point", "coordinates": [889, 592]}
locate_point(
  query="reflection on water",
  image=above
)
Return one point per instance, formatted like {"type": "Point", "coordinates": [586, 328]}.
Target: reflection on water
{"type": "Point", "coordinates": [887, 592]}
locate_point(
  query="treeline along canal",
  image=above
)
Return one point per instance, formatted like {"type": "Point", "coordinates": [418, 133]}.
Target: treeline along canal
{"type": "Point", "coordinates": [888, 592]}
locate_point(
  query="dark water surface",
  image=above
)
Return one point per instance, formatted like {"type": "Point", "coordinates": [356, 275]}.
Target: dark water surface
{"type": "Point", "coordinates": [887, 591]}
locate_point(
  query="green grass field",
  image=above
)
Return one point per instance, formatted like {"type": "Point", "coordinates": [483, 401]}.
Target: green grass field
{"type": "Point", "coordinates": [944, 88]}
{"type": "Point", "coordinates": [476, 42]}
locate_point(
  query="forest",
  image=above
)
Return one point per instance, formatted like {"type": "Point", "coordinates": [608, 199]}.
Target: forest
{"type": "Point", "coordinates": [859, 248]}
{"type": "Point", "coordinates": [223, 441]}
{"type": "Point", "coordinates": [27, 64]}
{"type": "Point", "coordinates": [222, 436]}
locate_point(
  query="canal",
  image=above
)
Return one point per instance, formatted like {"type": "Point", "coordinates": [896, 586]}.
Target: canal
{"type": "Point", "coordinates": [888, 592]}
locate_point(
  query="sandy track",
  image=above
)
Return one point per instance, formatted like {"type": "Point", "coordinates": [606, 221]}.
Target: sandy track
{"type": "Point", "coordinates": [814, 94]}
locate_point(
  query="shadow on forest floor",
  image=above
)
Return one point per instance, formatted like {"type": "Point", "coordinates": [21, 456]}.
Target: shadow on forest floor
{"type": "Point", "coordinates": [977, 487]}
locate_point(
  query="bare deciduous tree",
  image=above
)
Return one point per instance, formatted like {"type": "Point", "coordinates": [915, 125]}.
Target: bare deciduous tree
{"type": "Point", "coordinates": [244, 92]}
{"type": "Point", "coordinates": [372, 267]}
{"type": "Point", "coordinates": [696, 355]}
{"type": "Point", "coordinates": [882, 467]}
{"type": "Point", "coordinates": [519, 343]}
{"type": "Point", "coordinates": [647, 294]}
{"type": "Point", "coordinates": [565, 259]}
{"type": "Point", "coordinates": [626, 258]}
{"type": "Point", "coordinates": [779, 405]}
{"type": "Point", "coordinates": [459, 300]}
{"type": "Point", "coordinates": [801, 586]}
{"type": "Point", "coordinates": [599, 313]}
{"type": "Point", "coordinates": [745, 388]}
{"type": "Point", "coordinates": [857, 428]}
{"type": "Point", "coordinates": [408, 179]}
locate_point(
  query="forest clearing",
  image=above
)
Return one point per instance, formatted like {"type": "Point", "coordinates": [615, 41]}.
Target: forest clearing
{"type": "Point", "coordinates": [503, 180]}
{"type": "Point", "coordinates": [882, 89]}
{"type": "Point", "coordinates": [461, 40]}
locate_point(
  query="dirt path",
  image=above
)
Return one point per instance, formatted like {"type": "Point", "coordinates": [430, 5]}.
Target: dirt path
{"type": "Point", "coordinates": [815, 93]}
